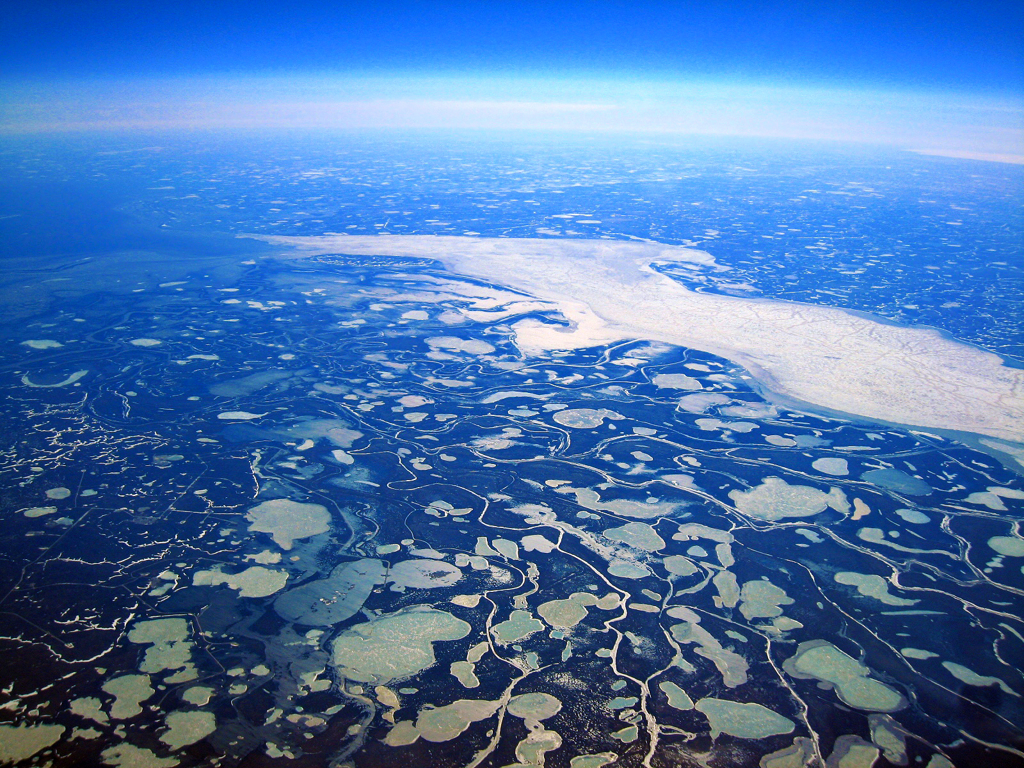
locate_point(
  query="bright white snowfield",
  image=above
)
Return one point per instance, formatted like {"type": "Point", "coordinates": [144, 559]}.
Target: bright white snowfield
{"type": "Point", "coordinates": [823, 356]}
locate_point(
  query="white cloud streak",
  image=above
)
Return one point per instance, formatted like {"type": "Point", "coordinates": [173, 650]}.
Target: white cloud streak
{"type": "Point", "coordinates": [931, 122]}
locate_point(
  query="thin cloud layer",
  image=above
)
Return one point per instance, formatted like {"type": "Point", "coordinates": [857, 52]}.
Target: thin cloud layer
{"type": "Point", "coordinates": [940, 123]}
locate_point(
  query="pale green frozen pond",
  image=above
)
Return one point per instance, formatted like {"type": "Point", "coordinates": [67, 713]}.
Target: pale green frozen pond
{"type": "Point", "coordinates": [396, 646]}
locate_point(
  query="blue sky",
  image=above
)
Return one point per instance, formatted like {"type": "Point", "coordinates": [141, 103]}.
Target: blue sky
{"type": "Point", "coordinates": [827, 64]}
{"type": "Point", "coordinates": [939, 44]}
